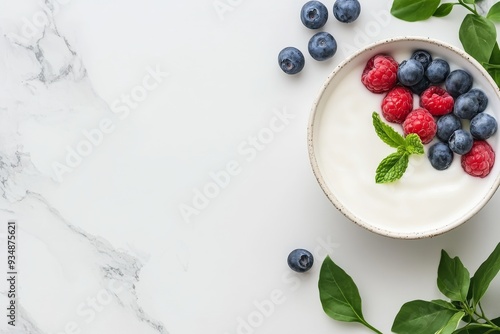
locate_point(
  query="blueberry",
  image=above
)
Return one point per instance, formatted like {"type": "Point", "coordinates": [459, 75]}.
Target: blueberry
{"type": "Point", "coordinates": [410, 72]}
{"type": "Point", "coordinates": [483, 126]}
{"type": "Point", "coordinates": [466, 106]}
{"type": "Point", "coordinates": [291, 60]}
{"type": "Point", "coordinates": [437, 71]}
{"type": "Point", "coordinates": [446, 125]}
{"type": "Point", "coordinates": [420, 86]}
{"type": "Point", "coordinates": [458, 82]}
{"type": "Point", "coordinates": [322, 46]}
{"type": "Point", "coordinates": [346, 11]}
{"type": "Point", "coordinates": [440, 156]}
{"type": "Point", "coordinates": [481, 98]}
{"type": "Point", "coordinates": [460, 141]}
{"type": "Point", "coordinates": [423, 57]}
{"type": "Point", "coordinates": [314, 14]}
{"type": "Point", "coordinates": [300, 260]}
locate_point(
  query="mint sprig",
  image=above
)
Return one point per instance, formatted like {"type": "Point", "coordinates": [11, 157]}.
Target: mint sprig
{"type": "Point", "coordinates": [477, 33]}
{"type": "Point", "coordinates": [392, 167]}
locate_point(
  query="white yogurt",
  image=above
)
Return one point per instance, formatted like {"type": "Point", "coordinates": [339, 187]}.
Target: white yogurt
{"type": "Point", "coordinates": [348, 151]}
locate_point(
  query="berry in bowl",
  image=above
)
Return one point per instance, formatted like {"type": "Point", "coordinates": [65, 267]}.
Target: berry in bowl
{"type": "Point", "coordinates": [402, 137]}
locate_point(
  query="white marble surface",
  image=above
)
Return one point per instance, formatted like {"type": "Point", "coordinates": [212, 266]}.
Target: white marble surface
{"type": "Point", "coordinates": [115, 114]}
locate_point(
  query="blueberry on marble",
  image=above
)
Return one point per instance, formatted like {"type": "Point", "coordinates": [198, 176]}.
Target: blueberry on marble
{"type": "Point", "coordinates": [466, 106]}
{"type": "Point", "coordinates": [483, 126]}
{"type": "Point", "coordinates": [420, 86]}
{"type": "Point", "coordinates": [346, 11]}
{"type": "Point", "coordinates": [440, 156]}
{"type": "Point", "coordinates": [437, 71]}
{"type": "Point", "coordinates": [300, 260]}
{"type": "Point", "coordinates": [322, 46]}
{"type": "Point", "coordinates": [458, 82]}
{"type": "Point", "coordinates": [446, 125]}
{"type": "Point", "coordinates": [410, 72]}
{"type": "Point", "coordinates": [481, 98]}
{"type": "Point", "coordinates": [460, 141]}
{"type": "Point", "coordinates": [423, 57]}
{"type": "Point", "coordinates": [314, 14]}
{"type": "Point", "coordinates": [291, 60]}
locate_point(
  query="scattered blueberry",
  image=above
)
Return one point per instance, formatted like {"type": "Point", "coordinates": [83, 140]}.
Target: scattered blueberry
{"type": "Point", "coordinates": [322, 46]}
{"type": "Point", "coordinates": [458, 82]}
{"type": "Point", "coordinates": [483, 126]}
{"type": "Point", "coordinates": [420, 86]}
{"type": "Point", "coordinates": [346, 11]}
{"type": "Point", "coordinates": [440, 156]}
{"type": "Point", "coordinates": [466, 106]}
{"type": "Point", "coordinates": [300, 260]}
{"type": "Point", "coordinates": [460, 142]}
{"type": "Point", "coordinates": [446, 125]}
{"type": "Point", "coordinates": [410, 72]}
{"type": "Point", "coordinates": [423, 57]}
{"type": "Point", "coordinates": [437, 71]}
{"type": "Point", "coordinates": [314, 14]}
{"type": "Point", "coordinates": [291, 60]}
{"type": "Point", "coordinates": [481, 98]}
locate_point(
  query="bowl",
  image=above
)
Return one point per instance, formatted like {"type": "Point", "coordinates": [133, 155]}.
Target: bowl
{"type": "Point", "coordinates": [345, 151]}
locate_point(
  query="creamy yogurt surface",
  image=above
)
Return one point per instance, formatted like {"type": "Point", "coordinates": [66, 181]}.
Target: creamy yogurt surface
{"type": "Point", "coordinates": [348, 151]}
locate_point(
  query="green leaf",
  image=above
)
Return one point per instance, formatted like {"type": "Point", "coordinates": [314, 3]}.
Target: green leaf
{"type": "Point", "coordinates": [476, 328]}
{"type": "Point", "coordinates": [453, 278]}
{"type": "Point", "coordinates": [339, 294]}
{"type": "Point", "coordinates": [443, 10]}
{"type": "Point", "coordinates": [478, 36]}
{"type": "Point", "coordinates": [494, 12]}
{"type": "Point", "coordinates": [485, 274]}
{"type": "Point", "coordinates": [387, 133]}
{"type": "Point", "coordinates": [495, 74]}
{"type": "Point", "coordinates": [452, 324]}
{"type": "Point", "coordinates": [470, 1]}
{"type": "Point", "coordinates": [495, 55]}
{"type": "Point", "coordinates": [392, 167]}
{"type": "Point", "coordinates": [423, 317]}
{"type": "Point", "coordinates": [413, 144]}
{"type": "Point", "coordinates": [414, 10]}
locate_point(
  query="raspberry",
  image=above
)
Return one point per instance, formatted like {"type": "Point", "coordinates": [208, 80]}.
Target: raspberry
{"type": "Point", "coordinates": [380, 73]}
{"type": "Point", "coordinates": [437, 101]}
{"type": "Point", "coordinates": [397, 104]}
{"type": "Point", "coordinates": [480, 159]}
{"type": "Point", "coordinates": [420, 122]}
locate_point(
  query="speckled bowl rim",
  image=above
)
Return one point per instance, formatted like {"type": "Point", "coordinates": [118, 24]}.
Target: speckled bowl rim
{"type": "Point", "coordinates": [319, 177]}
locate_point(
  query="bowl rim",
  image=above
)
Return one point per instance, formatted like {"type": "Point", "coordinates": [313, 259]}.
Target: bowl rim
{"type": "Point", "coordinates": [319, 177]}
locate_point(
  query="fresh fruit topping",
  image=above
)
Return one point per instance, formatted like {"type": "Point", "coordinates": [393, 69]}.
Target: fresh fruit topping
{"type": "Point", "coordinates": [420, 86]}
{"type": "Point", "coordinates": [410, 72]}
{"type": "Point", "coordinates": [291, 60]}
{"type": "Point", "coordinates": [300, 260]}
{"type": "Point", "coordinates": [483, 126]}
{"type": "Point", "coordinates": [460, 141]}
{"type": "Point", "coordinates": [437, 71]}
{"type": "Point", "coordinates": [314, 14]}
{"type": "Point", "coordinates": [481, 98]}
{"type": "Point", "coordinates": [397, 104]}
{"type": "Point", "coordinates": [446, 125]}
{"type": "Point", "coordinates": [322, 46]}
{"type": "Point", "coordinates": [466, 106]}
{"type": "Point", "coordinates": [437, 101]}
{"type": "Point", "coordinates": [480, 159]}
{"type": "Point", "coordinates": [346, 11]}
{"type": "Point", "coordinates": [458, 82]}
{"type": "Point", "coordinates": [380, 73]}
{"type": "Point", "coordinates": [440, 156]}
{"type": "Point", "coordinates": [420, 122]}
{"type": "Point", "coordinates": [423, 57]}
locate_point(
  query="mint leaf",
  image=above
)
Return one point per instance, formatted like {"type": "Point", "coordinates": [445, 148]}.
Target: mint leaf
{"type": "Point", "coordinates": [413, 144]}
{"type": "Point", "coordinates": [478, 36]}
{"type": "Point", "coordinates": [423, 317]}
{"type": "Point", "coordinates": [485, 274]}
{"type": "Point", "coordinates": [453, 278]}
{"type": "Point", "coordinates": [452, 324]}
{"type": "Point", "coordinates": [387, 133]}
{"type": "Point", "coordinates": [494, 13]}
{"type": "Point", "coordinates": [392, 167]}
{"type": "Point", "coordinates": [414, 10]}
{"type": "Point", "coordinates": [443, 10]}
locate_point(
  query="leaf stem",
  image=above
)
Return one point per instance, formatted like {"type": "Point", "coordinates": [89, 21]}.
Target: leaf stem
{"type": "Point", "coordinates": [371, 327]}
{"type": "Point", "coordinates": [473, 10]}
